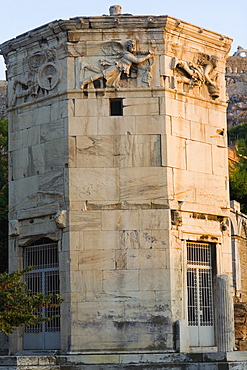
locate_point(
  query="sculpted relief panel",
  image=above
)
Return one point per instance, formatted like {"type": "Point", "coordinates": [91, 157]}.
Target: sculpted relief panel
{"type": "Point", "coordinates": [116, 64]}
{"type": "Point", "coordinates": [110, 64]}
{"type": "Point", "coordinates": [197, 73]}
{"type": "Point", "coordinates": [43, 74]}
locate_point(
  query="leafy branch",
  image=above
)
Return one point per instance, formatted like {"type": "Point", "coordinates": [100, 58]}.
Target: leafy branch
{"type": "Point", "coordinates": [19, 306]}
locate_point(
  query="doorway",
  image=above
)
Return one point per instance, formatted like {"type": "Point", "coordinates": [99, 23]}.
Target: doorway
{"type": "Point", "coordinates": [200, 294]}
{"type": "Point", "coordinates": [44, 278]}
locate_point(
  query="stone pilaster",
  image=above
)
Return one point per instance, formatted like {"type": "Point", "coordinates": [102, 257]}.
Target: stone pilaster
{"type": "Point", "coordinates": [225, 318]}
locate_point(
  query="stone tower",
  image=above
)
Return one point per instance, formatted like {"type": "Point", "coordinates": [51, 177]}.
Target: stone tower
{"type": "Point", "coordinates": [118, 180]}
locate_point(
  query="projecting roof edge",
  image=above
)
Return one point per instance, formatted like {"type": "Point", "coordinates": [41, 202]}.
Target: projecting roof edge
{"type": "Point", "coordinates": [167, 23]}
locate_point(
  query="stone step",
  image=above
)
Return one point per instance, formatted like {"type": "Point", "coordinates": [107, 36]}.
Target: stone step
{"type": "Point", "coordinates": [130, 361]}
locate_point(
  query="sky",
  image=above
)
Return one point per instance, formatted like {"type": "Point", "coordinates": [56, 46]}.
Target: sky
{"type": "Point", "coordinates": [226, 17]}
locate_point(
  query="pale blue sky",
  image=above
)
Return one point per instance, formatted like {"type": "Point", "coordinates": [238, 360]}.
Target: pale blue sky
{"type": "Point", "coordinates": [226, 17]}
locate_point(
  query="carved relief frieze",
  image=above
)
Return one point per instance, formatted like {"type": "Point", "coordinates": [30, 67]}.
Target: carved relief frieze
{"type": "Point", "coordinates": [49, 75]}
{"type": "Point", "coordinates": [199, 72]}
{"type": "Point", "coordinates": [75, 50]}
{"type": "Point", "coordinates": [42, 74]}
{"type": "Point", "coordinates": [114, 63]}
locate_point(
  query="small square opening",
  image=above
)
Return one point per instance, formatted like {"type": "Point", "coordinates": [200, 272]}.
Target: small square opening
{"type": "Point", "coordinates": [116, 107]}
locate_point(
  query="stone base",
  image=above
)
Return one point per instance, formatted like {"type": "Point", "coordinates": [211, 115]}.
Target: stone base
{"type": "Point", "coordinates": [106, 361]}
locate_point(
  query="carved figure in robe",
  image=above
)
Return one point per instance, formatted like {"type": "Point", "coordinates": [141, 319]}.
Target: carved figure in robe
{"type": "Point", "coordinates": [199, 73]}
{"type": "Point", "coordinates": [111, 69]}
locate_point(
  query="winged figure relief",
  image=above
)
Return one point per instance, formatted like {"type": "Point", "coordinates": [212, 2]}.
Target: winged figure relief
{"type": "Point", "coordinates": [117, 60]}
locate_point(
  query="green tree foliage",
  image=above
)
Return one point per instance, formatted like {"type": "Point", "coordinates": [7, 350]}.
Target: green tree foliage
{"type": "Point", "coordinates": [3, 194]}
{"type": "Point", "coordinates": [237, 133]}
{"type": "Point", "coordinates": [238, 173]}
{"type": "Point", "coordinates": [18, 306]}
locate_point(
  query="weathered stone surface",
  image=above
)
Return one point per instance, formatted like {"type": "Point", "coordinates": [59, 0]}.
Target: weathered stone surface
{"type": "Point", "coordinates": [97, 261]}
{"type": "Point", "coordinates": [199, 157]}
{"type": "Point", "coordinates": [168, 157]}
{"type": "Point", "coordinates": [142, 183]}
{"type": "Point", "coordinates": [94, 151]}
{"type": "Point", "coordinates": [138, 151]}
{"type": "Point", "coordinates": [91, 108]}
{"type": "Point", "coordinates": [133, 160]}
{"type": "Point", "coordinates": [120, 220]}
{"type": "Point", "coordinates": [104, 360]}
{"type": "Point", "coordinates": [121, 282]}
{"type": "Point", "coordinates": [94, 184]}
{"type": "Point", "coordinates": [144, 106]}
{"type": "Point", "coordinates": [14, 228]}
{"type": "Point", "coordinates": [115, 125]}
{"type": "Point", "coordinates": [80, 221]}
{"type": "Point", "coordinates": [225, 320]}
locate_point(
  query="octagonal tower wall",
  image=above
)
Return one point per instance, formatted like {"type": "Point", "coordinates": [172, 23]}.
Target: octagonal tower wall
{"type": "Point", "coordinates": [118, 152]}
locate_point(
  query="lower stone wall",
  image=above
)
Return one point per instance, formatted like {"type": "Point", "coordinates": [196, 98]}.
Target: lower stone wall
{"type": "Point", "coordinates": [240, 319]}
{"type": "Point", "coordinates": [138, 361]}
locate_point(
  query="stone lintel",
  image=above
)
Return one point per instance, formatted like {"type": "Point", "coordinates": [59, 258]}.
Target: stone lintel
{"type": "Point", "coordinates": [50, 209]}
{"type": "Point", "coordinates": [26, 239]}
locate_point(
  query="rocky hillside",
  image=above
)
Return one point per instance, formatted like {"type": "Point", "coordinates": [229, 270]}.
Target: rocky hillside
{"type": "Point", "coordinates": [236, 85]}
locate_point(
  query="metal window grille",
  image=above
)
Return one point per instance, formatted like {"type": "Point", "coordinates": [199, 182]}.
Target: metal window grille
{"type": "Point", "coordinates": [44, 278]}
{"type": "Point", "coordinates": [192, 297]}
{"type": "Point", "coordinates": [205, 291]}
{"type": "Point", "coordinates": [199, 284]}
{"type": "Point", "coordinates": [34, 283]}
{"type": "Point", "coordinates": [198, 254]}
{"type": "Point", "coordinates": [41, 256]}
{"type": "Point", "coordinates": [52, 287]}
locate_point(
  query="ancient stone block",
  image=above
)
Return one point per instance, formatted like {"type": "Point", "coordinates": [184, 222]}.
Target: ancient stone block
{"type": "Point", "coordinates": [120, 220]}
{"type": "Point", "coordinates": [141, 106]}
{"type": "Point", "coordinates": [179, 145]}
{"type": "Point", "coordinates": [182, 128]}
{"type": "Point", "coordinates": [120, 282]}
{"type": "Point", "coordinates": [199, 157]}
{"type": "Point", "coordinates": [97, 260]}
{"type": "Point", "coordinates": [94, 151]}
{"type": "Point", "coordinates": [52, 130]}
{"type": "Point", "coordinates": [155, 279]}
{"type": "Point", "coordinates": [95, 240]}
{"type": "Point", "coordinates": [94, 184]}
{"type": "Point", "coordinates": [119, 125]}
{"type": "Point", "coordinates": [149, 125]}
{"type": "Point", "coordinates": [82, 126]}
{"type": "Point", "coordinates": [146, 259]}
{"type": "Point", "coordinates": [14, 227]}
{"type": "Point", "coordinates": [142, 183]}
{"type": "Point", "coordinates": [91, 107]}
{"type": "Point", "coordinates": [85, 221]}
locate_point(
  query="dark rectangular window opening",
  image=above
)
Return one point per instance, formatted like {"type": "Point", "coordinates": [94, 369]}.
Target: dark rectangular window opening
{"type": "Point", "coordinates": [116, 107]}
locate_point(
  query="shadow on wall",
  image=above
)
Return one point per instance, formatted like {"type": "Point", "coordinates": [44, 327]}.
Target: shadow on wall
{"type": "Point", "coordinates": [4, 344]}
